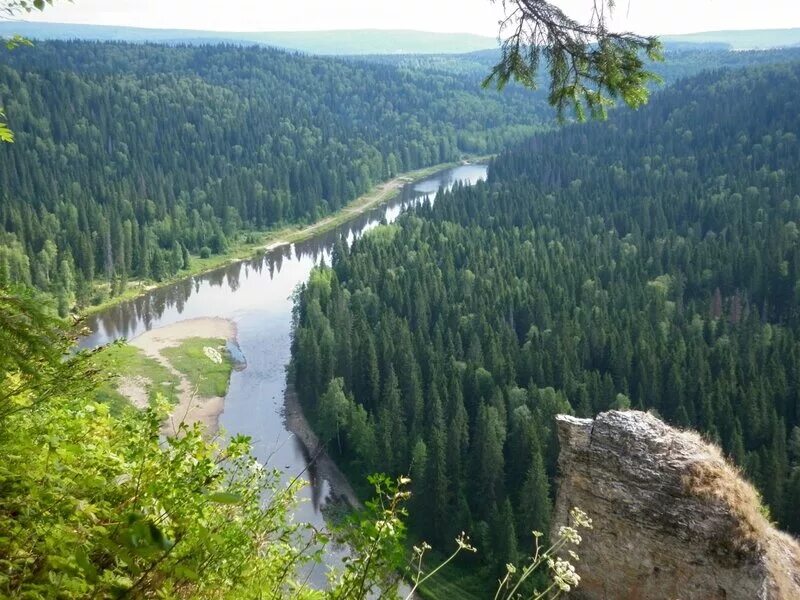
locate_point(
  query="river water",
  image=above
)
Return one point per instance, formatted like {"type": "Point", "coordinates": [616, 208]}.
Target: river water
{"type": "Point", "coordinates": [257, 295]}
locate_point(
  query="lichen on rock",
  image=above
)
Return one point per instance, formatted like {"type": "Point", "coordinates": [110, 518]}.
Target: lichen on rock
{"type": "Point", "coordinates": [672, 518]}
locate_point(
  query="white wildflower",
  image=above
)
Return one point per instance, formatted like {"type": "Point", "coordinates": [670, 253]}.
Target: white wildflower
{"type": "Point", "coordinates": [463, 543]}
{"type": "Point", "coordinates": [564, 575]}
{"type": "Point", "coordinates": [573, 555]}
{"type": "Point", "coordinates": [385, 525]}
{"type": "Point", "coordinates": [580, 518]}
{"type": "Point", "coordinates": [569, 534]}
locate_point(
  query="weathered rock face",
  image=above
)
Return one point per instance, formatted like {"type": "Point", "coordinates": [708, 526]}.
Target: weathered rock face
{"type": "Point", "coordinates": [672, 519]}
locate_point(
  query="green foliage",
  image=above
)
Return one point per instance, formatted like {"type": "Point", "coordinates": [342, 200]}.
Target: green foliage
{"type": "Point", "coordinates": [562, 577]}
{"type": "Point", "coordinates": [332, 412]}
{"type": "Point", "coordinates": [13, 7]}
{"type": "Point", "coordinates": [6, 135]}
{"type": "Point", "coordinates": [680, 61]}
{"type": "Point", "coordinates": [456, 580]}
{"type": "Point", "coordinates": [94, 505]}
{"type": "Point", "coordinates": [97, 505]}
{"type": "Point", "coordinates": [235, 154]}
{"type": "Point", "coordinates": [376, 538]}
{"type": "Point", "coordinates": [588, 65]}
{"type": "Point", "coordinates": [546, 574]}
{"type": "Point", "coordinates": [346, 426]}
{"type": "Point", "coordinates": [9, 8]}
{"type": "Point", "coordinates": [37, 347]}
{"type": "Point", "coordinates": [29, 330]}
{"type": "Point", "coordinates": [16, 41]}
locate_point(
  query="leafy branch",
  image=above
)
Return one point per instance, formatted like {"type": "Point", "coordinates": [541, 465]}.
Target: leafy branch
{"type": "Point", "coordinates": [10, 8]}
{"type": "Point", "coordinates": [589, 65]}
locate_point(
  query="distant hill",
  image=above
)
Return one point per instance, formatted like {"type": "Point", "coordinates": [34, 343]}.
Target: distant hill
{"type": "Point", "coordinates": [359, 41]}
{"type": "Point", "coordinates": [751, 39]}
{"type": "Point", "coordinates": [368, 41]}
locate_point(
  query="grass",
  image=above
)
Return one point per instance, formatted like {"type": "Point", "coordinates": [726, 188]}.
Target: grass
{"type": "Point", "coordinates": [206, 376]}
{"type": "Point", "coordinates": [121, 360]}
{"type": "Point", "coordinates": [718, 481]}
{"type": "Point", "coordinates": [241, 249]}
{"type": "Point", "coordinates": [127, 361]}
{"type": "Point", "coordinates": [454, 581]}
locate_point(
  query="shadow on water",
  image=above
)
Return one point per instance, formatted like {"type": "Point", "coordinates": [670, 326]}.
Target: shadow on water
{"type": "Point", "coordinates": [318, 485]}
{"type": "Point", "coordinates": [237, 356]}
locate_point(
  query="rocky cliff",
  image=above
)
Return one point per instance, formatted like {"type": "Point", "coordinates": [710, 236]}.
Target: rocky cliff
{"type": "Point", "coordinates": [672, 519]}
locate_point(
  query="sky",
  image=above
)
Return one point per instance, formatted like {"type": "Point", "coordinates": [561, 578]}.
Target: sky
{"type": "Point", "coordinates": [472, 16]}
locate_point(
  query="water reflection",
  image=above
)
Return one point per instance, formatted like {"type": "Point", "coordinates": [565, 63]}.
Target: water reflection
{"type": "Point", "coordinates": [169, 304]}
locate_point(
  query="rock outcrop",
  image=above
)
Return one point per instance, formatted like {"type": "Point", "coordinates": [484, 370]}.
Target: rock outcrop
{"type": "Point", "coordinates": [672, 518]}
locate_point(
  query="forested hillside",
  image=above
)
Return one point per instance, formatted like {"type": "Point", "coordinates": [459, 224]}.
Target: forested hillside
{"type": "Point", "coordinates": [335, 42]}
{"type": "Point", "coordinates": [652, 261]}
{"type": "Point", "coordinates": [679, 61]}
{"type": "Point", "coordinates": [741, 40]}
{"type": "Point", "coordinates": [130, 158]}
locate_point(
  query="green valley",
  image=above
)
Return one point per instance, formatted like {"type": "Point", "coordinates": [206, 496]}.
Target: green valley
{"type": "Point", "coordinates": [211, 152]}
{"type": "Point", "coordinates": [336, 309]}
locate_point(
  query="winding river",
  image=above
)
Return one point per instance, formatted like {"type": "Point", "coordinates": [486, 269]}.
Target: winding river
{"type": "Point", "coordinates": [256, 295]}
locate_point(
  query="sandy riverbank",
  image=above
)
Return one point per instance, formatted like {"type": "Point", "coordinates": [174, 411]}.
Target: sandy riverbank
{"type": "Point", "coordinates": [322, 466]}
{"type": "Point", "coordinates": [379, 195]}
{"type": "Point", "coordinates": [190, 408]}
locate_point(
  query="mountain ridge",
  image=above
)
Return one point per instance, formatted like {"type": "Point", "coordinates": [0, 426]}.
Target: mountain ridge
{"type": "Point", "coordinates": [329, 42]}
{"type": "Point", "coordinates": [745, 39]}
{"type": "Point", "coordinates": [365, 41]}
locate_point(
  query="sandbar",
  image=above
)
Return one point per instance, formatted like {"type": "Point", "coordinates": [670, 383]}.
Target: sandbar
{"type": "Point", "coordinates": [190, 408]}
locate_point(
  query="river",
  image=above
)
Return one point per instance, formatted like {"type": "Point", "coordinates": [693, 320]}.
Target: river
{"type": "Point", "coordinates": [257, 295]}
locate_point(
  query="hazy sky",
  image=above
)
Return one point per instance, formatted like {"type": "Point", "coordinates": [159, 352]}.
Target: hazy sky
{"type": "Point", "coordinates": [476, 16]}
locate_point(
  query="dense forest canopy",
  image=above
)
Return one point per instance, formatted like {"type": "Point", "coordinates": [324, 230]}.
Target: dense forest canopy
{"type": "Point", "coordinates": [129, 158]}
{"type": "Point", "coordinates": [681, 60]}
{"type": "Point", "coordinates": [132, 158]}
{"type": "Point", "coordinates": [651, 261]}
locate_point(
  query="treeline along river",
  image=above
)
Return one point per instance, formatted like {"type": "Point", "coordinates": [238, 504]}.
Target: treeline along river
{"type": "Point", "coordinates": [257, 295]}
